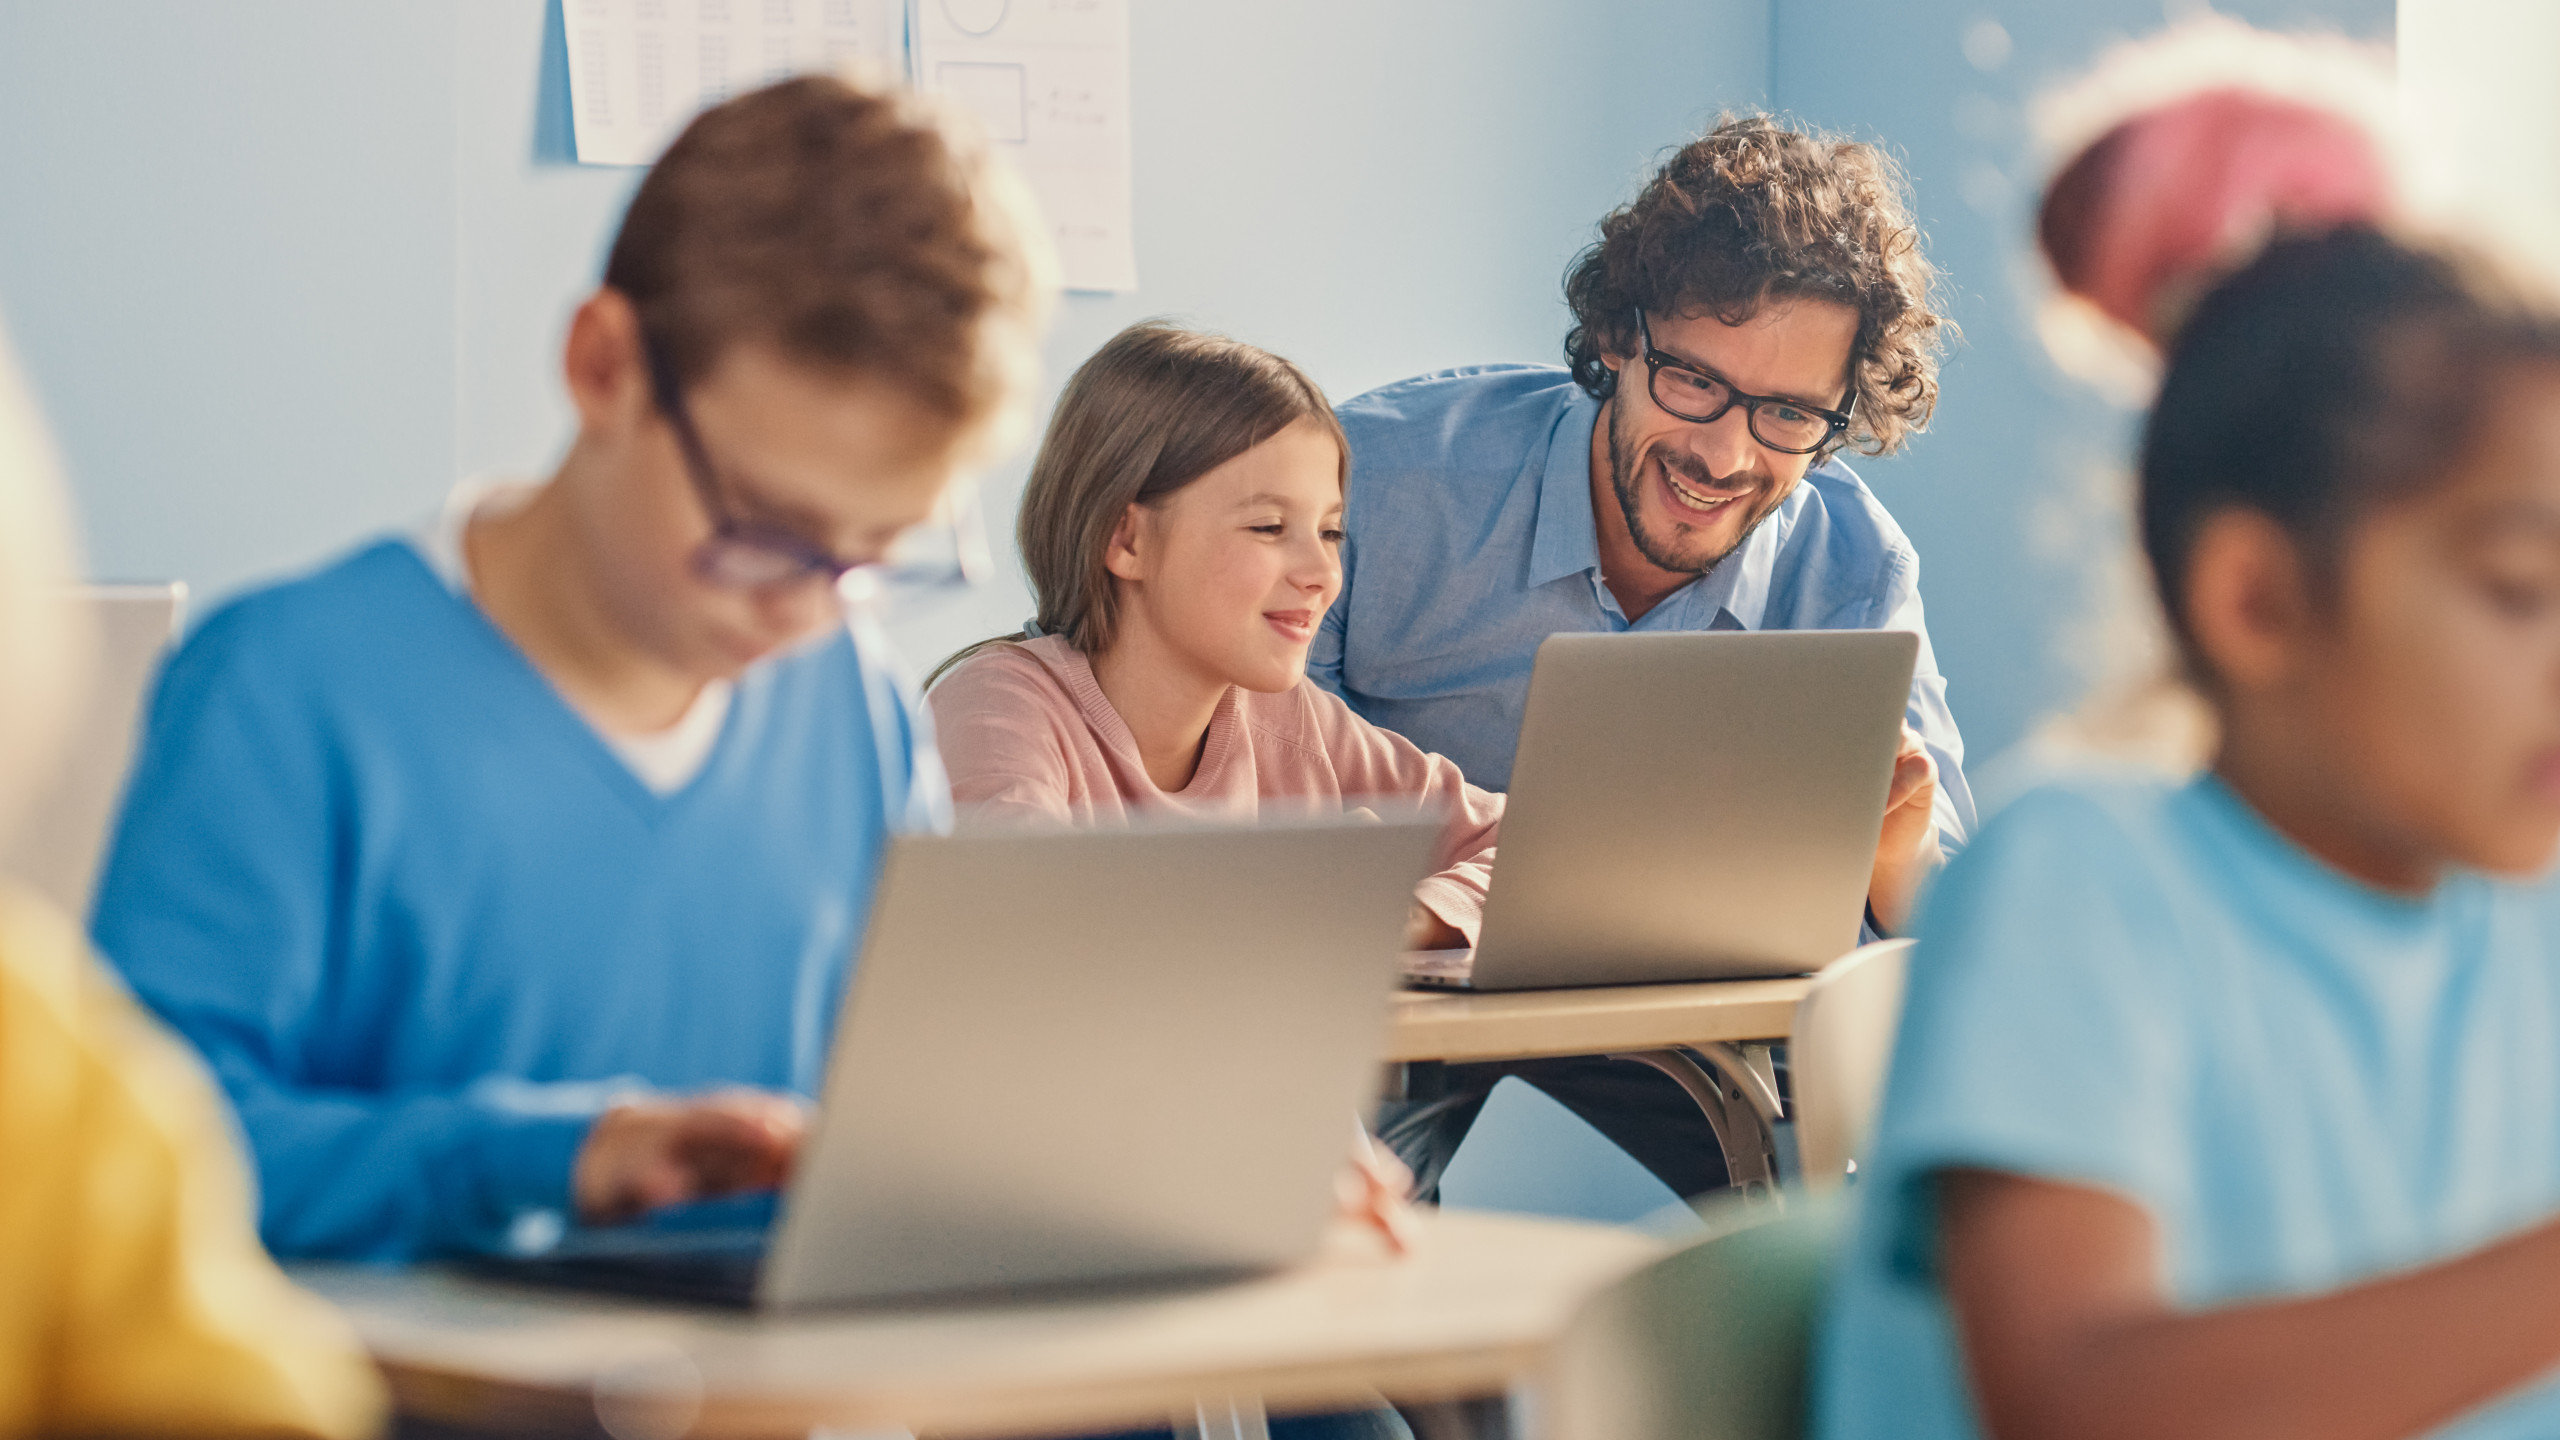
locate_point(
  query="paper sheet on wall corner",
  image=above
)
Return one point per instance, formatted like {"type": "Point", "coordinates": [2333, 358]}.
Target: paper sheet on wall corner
{"type": "Point", "coordinates": [1050, 81]}
{"type": "Point", "coordinates": [639, 69]}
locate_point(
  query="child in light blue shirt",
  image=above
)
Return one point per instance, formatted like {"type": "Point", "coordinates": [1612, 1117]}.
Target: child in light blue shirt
{"type": "Point", "coordinates": [2302, 1079]}
{"type": "Point", "coordinates": [2232, 1107]}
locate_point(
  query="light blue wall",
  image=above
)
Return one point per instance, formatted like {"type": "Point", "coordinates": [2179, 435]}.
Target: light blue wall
{"type": "Point", "coordinates": [283, 269]}
{"type": "Point", "coordinates": [226, 249]}
{"type": "Point", "coordinates": [2012, 498]}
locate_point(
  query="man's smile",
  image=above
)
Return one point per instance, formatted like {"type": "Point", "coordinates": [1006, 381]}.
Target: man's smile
{"type": "Point", "coordinates": [1694, 499]}
{"type": "Point", "coordinates": [1697, 494]}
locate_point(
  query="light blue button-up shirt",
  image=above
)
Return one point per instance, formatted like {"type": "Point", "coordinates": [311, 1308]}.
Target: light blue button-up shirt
{"type": "Point", "coordinates": [1471, 540]}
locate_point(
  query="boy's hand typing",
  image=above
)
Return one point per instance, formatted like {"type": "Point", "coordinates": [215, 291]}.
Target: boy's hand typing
{"type": "Point", "coordinates": [1907, 854]}
{"type": "Point", "coordinates": [664, 1150]}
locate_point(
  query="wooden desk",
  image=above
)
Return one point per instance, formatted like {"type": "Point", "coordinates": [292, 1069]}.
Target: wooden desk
{"type": "Point", "coordinates": [1468, 1313]}
{"type": "Point", "coordinates": [1527, 1024]}
{"type": "Point", "coordinates": [1712, 1038]}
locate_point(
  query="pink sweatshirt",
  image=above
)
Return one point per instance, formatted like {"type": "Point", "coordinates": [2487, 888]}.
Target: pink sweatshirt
{"type": "Point", "coordinates": [1027, 733]}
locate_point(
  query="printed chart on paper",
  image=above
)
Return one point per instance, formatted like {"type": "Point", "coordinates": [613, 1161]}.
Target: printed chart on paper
{"type": "Point", "coordinates": [1050, 81]}
{"type": "Point", "coordinates": [639, 69]}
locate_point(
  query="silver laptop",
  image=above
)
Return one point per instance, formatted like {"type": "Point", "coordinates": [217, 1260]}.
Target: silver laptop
{"type": "Point", "coordinates": [1072, 1058]}
{"type": "Point", "coordinates": [1699, 806]}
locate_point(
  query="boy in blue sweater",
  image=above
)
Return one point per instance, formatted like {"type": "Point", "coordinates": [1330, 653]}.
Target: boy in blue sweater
{"type": "Point", "coordinates": [510, 872]}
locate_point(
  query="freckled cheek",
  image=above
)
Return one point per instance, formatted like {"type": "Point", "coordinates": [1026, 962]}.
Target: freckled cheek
{"type": "Point", "coordinates": [1225, 588]}
{"type": "Point", "coordinates": [1258, 569]}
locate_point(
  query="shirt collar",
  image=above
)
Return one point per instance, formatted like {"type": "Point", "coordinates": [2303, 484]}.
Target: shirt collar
{"type": "Point", "coordinates": [1565, 540]}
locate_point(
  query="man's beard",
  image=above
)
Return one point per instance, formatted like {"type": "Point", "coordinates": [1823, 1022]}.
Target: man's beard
{"type": "Point", "coordinates": [1655, 548]}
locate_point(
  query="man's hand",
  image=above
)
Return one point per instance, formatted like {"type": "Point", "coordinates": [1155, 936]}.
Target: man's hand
{"type": "Point", "coordinates": [664, 1150]}
{"type": "Point", "coordinates": [1908, 853]}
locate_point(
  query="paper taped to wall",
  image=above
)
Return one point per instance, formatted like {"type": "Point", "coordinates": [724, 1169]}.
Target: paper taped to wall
{"type": "Point", "coordinates": [639, 69]}
{"type": "Point", "coordinates": [1050, 80]}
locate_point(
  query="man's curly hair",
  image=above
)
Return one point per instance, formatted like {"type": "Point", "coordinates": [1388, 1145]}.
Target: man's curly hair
{"type": "Point", "coordinates": [1750, 213]}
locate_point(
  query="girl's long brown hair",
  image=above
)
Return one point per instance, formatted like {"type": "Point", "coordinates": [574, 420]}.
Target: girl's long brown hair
{"type": "Point", "coordinates": [1156, 408]}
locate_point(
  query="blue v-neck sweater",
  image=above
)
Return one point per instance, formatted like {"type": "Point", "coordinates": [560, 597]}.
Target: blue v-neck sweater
{"type": "Point", "coordinates": [424, 924]}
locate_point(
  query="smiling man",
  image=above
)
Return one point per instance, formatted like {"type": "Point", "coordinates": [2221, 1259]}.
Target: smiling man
{"type": "Point", "coordinates": [1762, 305]}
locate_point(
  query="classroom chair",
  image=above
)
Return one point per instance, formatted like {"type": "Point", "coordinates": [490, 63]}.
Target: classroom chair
{"type": "Point", "coordinates": [1712, 1343]}
{"type": "Point", "coordinates": [1838, 1052]}
{"type": "Point", "coordinates": [62, 838]}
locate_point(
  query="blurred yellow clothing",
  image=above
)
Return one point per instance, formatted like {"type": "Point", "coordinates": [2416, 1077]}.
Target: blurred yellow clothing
{"type": "Point", "coordinates": [134, 1299]}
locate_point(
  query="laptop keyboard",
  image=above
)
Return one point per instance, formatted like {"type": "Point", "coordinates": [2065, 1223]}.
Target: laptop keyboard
{"type": "Point", "coordinates": [721, 1274]}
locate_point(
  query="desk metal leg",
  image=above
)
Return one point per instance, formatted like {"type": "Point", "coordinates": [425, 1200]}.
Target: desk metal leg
{"type": "Point", "coordinates": [1738, 1090]}
{"type": "Point", "coordinates": [1224, 1417]}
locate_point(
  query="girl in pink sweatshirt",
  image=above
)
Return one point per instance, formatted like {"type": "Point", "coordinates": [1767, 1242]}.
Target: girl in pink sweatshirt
{"type": "Point", "coordinates": [1183, 531]}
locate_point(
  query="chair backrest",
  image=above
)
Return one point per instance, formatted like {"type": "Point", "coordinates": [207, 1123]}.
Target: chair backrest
{"type": "Point", "coordinates": [1712, 1343]}
{"type": "Point", "coordinates": [62, 837]}
{"type": "Point", "coordinates": [1838, 1053]}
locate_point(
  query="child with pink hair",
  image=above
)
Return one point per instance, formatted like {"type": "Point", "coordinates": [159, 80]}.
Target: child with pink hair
{"type": "Point", "coordinates": [2231, 1106]}
{"type": "Point", "coordinates": [2182, 155]}
{"type": "Point", "coordinates": [2179, 157]}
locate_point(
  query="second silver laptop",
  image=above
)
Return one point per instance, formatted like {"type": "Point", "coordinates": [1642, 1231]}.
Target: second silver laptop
{"type": "Point", "coordinates": [1695, 806]}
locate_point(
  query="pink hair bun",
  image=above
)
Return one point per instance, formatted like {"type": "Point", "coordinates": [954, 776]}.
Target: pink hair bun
{"type": "Point", "coordinates": [2176, 193]}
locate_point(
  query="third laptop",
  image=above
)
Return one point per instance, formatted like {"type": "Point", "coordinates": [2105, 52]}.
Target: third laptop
{"type": "Point", "coordinates": [1692, 806]}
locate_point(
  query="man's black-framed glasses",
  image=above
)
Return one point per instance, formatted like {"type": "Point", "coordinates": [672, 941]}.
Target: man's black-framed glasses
{"type": "Point", "coordinates": [742, 554]}
{"type": "Point", "coordinates": [1700, 396]}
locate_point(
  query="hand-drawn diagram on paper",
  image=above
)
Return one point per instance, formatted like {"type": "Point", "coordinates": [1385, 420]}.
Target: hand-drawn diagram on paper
{"type": "Point", "coordinates": [1050, 80]}
{"type": "Point", "coordinates": [639, 69]}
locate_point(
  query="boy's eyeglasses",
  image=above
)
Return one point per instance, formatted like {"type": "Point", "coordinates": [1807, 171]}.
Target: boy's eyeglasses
{"type": "Point", "coordinates": [1699, 396]}
{"type": "Point", "coordinates": [745, 555]}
